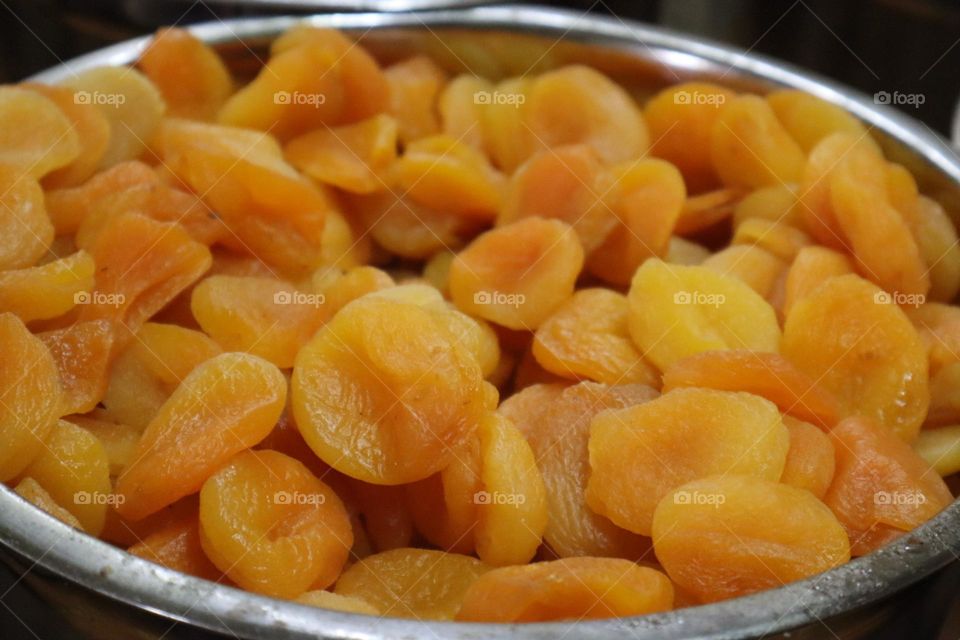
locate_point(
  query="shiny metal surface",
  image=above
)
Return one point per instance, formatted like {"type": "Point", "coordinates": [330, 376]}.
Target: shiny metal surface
{"type": "Point", "coordinates": [496, 42]}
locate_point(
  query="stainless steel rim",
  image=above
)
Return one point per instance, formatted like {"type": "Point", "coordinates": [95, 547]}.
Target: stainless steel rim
{"type": "Point", "coordinates": [112, 572]}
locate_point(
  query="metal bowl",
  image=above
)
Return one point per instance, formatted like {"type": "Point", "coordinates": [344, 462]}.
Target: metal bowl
{"type": "Point", "coordinates": [113, 594]}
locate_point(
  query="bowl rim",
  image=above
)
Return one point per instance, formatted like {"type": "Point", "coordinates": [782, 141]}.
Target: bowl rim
{"type": "Point", "coordinates": [111, 572]}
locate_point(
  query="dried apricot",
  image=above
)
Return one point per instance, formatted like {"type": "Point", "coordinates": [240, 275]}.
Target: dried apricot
{"type": "Point", "coordinates": [558, 432]}
{"type": "Point", "coordinates": [647, 200]}
{"type": "Point", "coordinates": [414, 85]}
{"type": "Point", "coordinates": [31, 491]}
{"type": "Point", "coordinates": [750, 264]}
{"type": "Point", "coordinates": [777, 203]}
{"type": "Point", "coordinates": [227, 404]}
{"type": "Point", "coordinates": [567, 589]}
{"type": "Point", "coordinates": [588, 337]}
{"type": "Point", "coordinates": [272, 526]}
{"type": "Point", "coordinates": [177, 546]}
{"type": "Point", "coordinates": [516, 275]}
{"type": "Point", "coordinates": [677, 311]}
{"type": "Point", "coordinates": [131, 103]}
{"type": "Point", "coordinates": [859, 346]}
{"type": "Point", "coordinates": [31, 394]}
{"type": "Point", "coordinates": [640, 454]}
{"type": "Point", "coordinates": [73, 468]}
{"type": "Point", "coordinates": [810, 119]}
{"type": "Point", "coordinates": [25, 229]}
{"type": "Point", "coordinates": [170, 352]}
{"type": "Point", "coordinates": [767, 375]}
{"type": "Point", "coordinates": [810, 460]}
{"type": "Point", "coordinates": [353, 157]}
{"type": "Point", "coordinates": [751, 148]}
{"type": "Point", "coordinates": [881, 487]}
{"type": "Point", "coordinates": [83, 353]}
{"type": "Point", "coordinates": [37, 136]}
{"type": "Point", "coordinates": [263, 316]}
{"type": "Point", "coordinates": [119, 440]}
{"type": "Point", "coordinates": [939, 247]}
{"type": "Point", "coordinates": [512, 505]}
{"type": "Point", "coordinates": [190, 75]}
{"type": "Point", "coordinates": [781, 239]}
{"type": "Point", "coordinates": [459, 108]}
{"type": "Point", "coordinates": [412, 583]}
{"type": "Point", "coordinates": [940, 448]}
{"type": "Point", "coordinates": [383, 394]}
{"type": "Point", "coordinates": [811, 268]}
{"type": "Point", "coordinates": [49, 290]}
{"type": "Point", "coordinates": [727, 536]}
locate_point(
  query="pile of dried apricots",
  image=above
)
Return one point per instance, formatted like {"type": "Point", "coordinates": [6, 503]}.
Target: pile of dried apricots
{"type": "Point", "coordinates": [382, 339]}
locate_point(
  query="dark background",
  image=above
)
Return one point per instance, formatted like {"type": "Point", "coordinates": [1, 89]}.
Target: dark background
{"type": "Point", "coordinates": [910, 46]}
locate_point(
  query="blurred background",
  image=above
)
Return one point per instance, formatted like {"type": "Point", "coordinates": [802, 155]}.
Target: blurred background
{"type": "Point", "coordinates": [905, 46]}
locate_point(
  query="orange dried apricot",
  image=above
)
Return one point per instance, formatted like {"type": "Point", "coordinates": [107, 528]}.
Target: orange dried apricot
{"type": "Point", "coordinates": [939, 247]}
{"type": "Point", "coordinates": [881, 487]}
{"type": "Point", "coordinates": [512, 504]}
{"type": "Point", "coordinates": [460, 110]}
{"type": "Point", "coordinates": [509, 140]}
{"type": "Point", "coordinates": [170, 352]}
{"type": "Point", "coordinates": [447, 175]}
{"type": "Point", "coordinates": [142, 265]}
{"type": "Point", "coordinates": [414, 85]}
{"type": "Point", "coordinates": [412, 583]}
{"type": "Point", "coordinates": [685, 252]}
{"type": "Point", "coordinates": [25, 229]}
{"type": "Point", "coordinates": [339, 289]}
{"type": "Point", "coordinates": [810, 460]}
{"type": "Point", "coordinates": [263, 316]}
{"type": "Point", "coordinates": [647, 200]}
{"type": "Point", "coordinates": [781, 239]}
{"type": "Point", "coordinates": [859, 346]}
{"type": "Point", "coordinates": [576, 104]}
{"type": "Point", "coordinates": [177, 546]}
{"type": "Point", "coordinates": [189, 74]}
{"type": "Point", "coordinates": [940, 448]}
{"type": "Point", "coordinates": [383, 394]}
{"type": "Point", "coordinates": [588, 337]}
{"type": "Point", "coordinates": [313, 78]}
{"type": "Point", "coordinates": [810, 119]}
{"type": "Point", "coordinates": [91, 127]}
{"type": "Point", "coordinates": [134, 393]}
{"type": "Point", "coordinates": [777, 203]}
{"type": "Point", "coordinates": [726, 536]}
{"type": "Point", "coordinates": [707, 210]}
{"type": "Point", "coordinates": [272, 526]}
{"type": "Point", "coordinates": [227, 404]}
{"type": "Point", "coordinates": [353, 157]}
{"type": "Point", "coordinates": [811, 268]}
{"type": "Point", "coordinates": [516, 275]}
{"type": "Point", "coordinates": [83, 353]}
{"type": "Point", "coordinates": [131, 103]}
{"type": "Point", "coordinates": [73, 468]}
{"type": "Point", "coordinates": [119, 440]}
{"type": "Point", "coordinates": [751, 264]}
{"type": "Point", "coordinates": [750, 148]}
{"type": "Point", "coordinates": [677, 311]}
{"type": "Point", "coordinates": [640, 454]}
{"type": "Point", "coordinates": [31, 396]}
{"type": "Point", "coordinates": [558, 432]}
{"type": "Point", "coordinates": [681, 120]}
{"type": "Point", "coordinates": [49, 290]}
{"type": "Point", "coordinates": [37, 137]}
{"type": "Point", "coordinates": [31, 491]}
{"type": "Point", "coordinates": [767, 375]}
{"type": "Point", "coordinates": [567, 589]}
